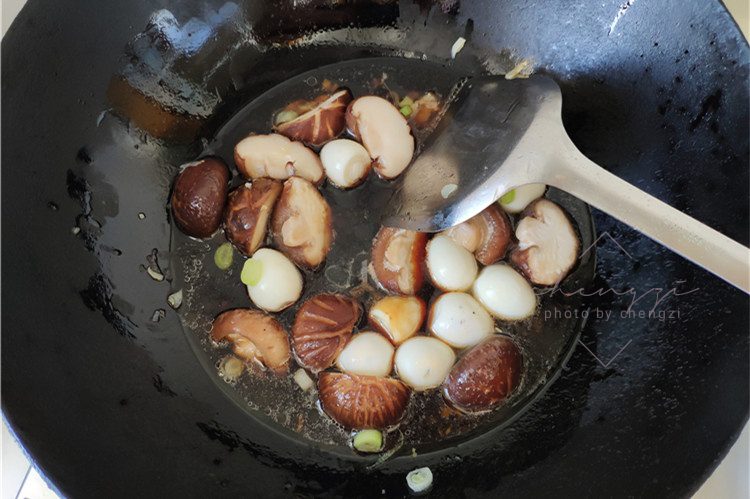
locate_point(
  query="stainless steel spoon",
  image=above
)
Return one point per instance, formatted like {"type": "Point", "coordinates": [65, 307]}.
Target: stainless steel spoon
{"type": "Point", "coordinates": [499, 134]}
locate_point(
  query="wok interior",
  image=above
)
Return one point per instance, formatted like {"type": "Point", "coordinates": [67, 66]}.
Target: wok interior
{"type": "Point", "coordinates": [660, 110]}
{"type": "Point", "coordinates": [546, 338]}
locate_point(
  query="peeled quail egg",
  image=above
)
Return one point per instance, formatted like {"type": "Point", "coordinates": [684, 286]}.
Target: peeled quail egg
{"type": "Point", "coordinates": [273, 282]}
{"type": "Point", "coordinates": [459, 320]}
{"type": "Point", "coordinates": [423, 362]}
{"type": "Point", "coordinates": [505, 292]}
{"type": "Point", "coordinates": [345, 162]}
{"type": "Point", "coordinates": [367, 354]}
{"type": "Point", "coordinates": [451, 266]}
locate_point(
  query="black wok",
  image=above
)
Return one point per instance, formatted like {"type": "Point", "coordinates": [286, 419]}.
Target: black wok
{"type": "Point", "coordinates": [109, 397]}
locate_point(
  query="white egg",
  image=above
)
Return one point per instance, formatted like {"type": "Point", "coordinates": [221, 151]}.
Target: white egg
{"type": "Point", "coordinates": [279, 283]}
{"type": "Point", "coordinates": [451, 266]}
{"type": "Point", "coordinates": [459, 320]}
{"type": "Point", "coordinates": [522, 197]}
{"type": "Point", "coordinates": [368, 354]}
{"type": "Point", "coordinates": [423, 362]}
{"type": "Point", "coordinates": [345, 162]}
{"type": "Point", "coordinates": [505, 292]}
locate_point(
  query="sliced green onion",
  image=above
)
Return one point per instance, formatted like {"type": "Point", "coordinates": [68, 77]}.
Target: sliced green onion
{"type": "Point", "coordinates": [406, 101]}
{"type": "Point", "coordinates": [224, 256]}
{"type": "Point", "coordinates": [368, 441]}
{"type": "Point", "coordinates": [252, 271]}
{"type": "Point", "coordinates": [175, 299]}
{"type": "Point", "coordinates": [419, 480]}
{"type": "Point", "coordinates": [508, 197]}
{"type": "Point", "coordinates": [285, 116]}
{"type": "Point", "coordinates": [405, 110]}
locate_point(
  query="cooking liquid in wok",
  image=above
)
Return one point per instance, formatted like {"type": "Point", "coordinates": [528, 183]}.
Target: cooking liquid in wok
{"type": "Point", "coordinates": [545, 339]}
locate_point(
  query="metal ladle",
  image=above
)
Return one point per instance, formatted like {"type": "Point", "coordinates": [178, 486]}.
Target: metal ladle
{"type": "Point", "coordinates": [497, 135]}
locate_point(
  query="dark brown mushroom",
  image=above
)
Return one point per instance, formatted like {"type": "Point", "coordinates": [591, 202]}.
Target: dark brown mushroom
{"type": "Point", "coordinates": [322, 328]}
{"type": "Point", "coordinates": [547, 244]}
{"type": "Point", "coordinates": [485, 376]}
{"type": "Point", "coordinates": [199, 195]}
{"type": "Point", "coordinates": [362, 402]}
{"type": "Point", "coordinates": [248, 211]}
{"type": "Point", "coordinates": [487, 235]}
{"type": "Point", "coordinates": [319, 120]}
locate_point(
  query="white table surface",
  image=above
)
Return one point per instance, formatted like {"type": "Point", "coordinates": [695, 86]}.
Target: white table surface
{"type": "Point", "coordinates": [20, 480]}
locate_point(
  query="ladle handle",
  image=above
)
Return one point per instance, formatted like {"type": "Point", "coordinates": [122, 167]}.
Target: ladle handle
{"type": "Point", "coordinates": [575, 173]}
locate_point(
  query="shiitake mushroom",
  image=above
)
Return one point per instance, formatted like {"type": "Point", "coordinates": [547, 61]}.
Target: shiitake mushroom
{"type": "Point", "coordinates": [247, 213]}
{"type": "Point", "coordinates": [277, 157]}
{"type": "Point", "coordinates": [398, 259]}
{"type": "Point", "coordinates": [322, 328]}
{"type": "Point", "coordinates": [485, 376]}
{"type": "Point", "coordinates": [301, 224]}
{"type": "Point", "coordinates": [255, 335]}
{"type": "Point", "coordinates": [362, 402]}
{"type": "Point", "coordinates": [547, 244]}
{"type": "Point", "coordinates": [384, 132]}
{"type": "Point", "coordinates": [199, 196]}
{"type": "Point", "coordinates": [487, 235]}
{"type": "Point", "coordinates": [318, 120]}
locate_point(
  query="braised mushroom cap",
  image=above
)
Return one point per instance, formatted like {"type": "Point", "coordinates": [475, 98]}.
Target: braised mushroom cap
{"type": "Point", "coordinates": [487, 235]}
{"type": "Point", "coordinates": [247, 213]}
{"type": "Point", "coordinates": [485, 375]}
{"type": "Point", "coordinates": [322, 328]}
{"type": "Point", "coordinates": [384, 132]}
{"type": "Point", "coordinates": [362, 402]}
{"type": "Point", "coordinates": [256, 335]}
{"type": "Point", "coordinates": [321, 120]}
{"type": "Point", "coordinates": [302, 223]}
{"type": "Point", "coordinates": [547, 244]}
{"type": "Point", "coordinates": [199, 196]}
{"type": "Point", "coordinates": [277, 157]}
{"type": "Point", "coordinates": [398, 259]}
